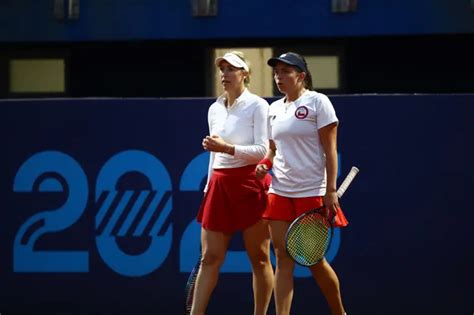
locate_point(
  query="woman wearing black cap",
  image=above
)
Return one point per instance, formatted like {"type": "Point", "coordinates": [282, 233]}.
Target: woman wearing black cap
{"type": "Point", "coordinates": [303, 154]}
{"type": "Point", "coordinates": [234, 199]}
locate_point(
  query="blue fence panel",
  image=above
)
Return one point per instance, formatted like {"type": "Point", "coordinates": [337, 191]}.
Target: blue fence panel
{"type": "Point", "coordinates": [98, 199]}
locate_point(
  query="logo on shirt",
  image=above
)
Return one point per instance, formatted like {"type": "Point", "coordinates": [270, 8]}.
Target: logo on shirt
{"type": "Point", "coordinates": [301, 112]}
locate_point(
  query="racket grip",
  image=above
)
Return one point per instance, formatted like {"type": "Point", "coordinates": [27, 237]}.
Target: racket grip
{"type": "Point", "coordinates": [347, 181]}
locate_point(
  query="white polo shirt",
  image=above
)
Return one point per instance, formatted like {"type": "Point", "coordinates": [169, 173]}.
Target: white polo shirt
{"type": "Point", "coordinates": [299, 166]}
{"type": "Point", "coordinates": [243, 124]}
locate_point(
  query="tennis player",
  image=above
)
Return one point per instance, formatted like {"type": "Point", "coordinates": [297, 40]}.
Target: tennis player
{"type": "Point", "coordinates": [303, 153]}
{"type": "Point", "coordinates": [234, 199]}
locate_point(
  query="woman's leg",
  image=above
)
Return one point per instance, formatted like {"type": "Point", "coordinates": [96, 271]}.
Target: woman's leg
{"type": "Point", "coordinates": [329, 284]}
{"type": "Point", "coordinates": [214, 247]}
{"type": "Point", "coordinates": [284, 268]}
{"type": "Point", "coordinates": [257, 243]}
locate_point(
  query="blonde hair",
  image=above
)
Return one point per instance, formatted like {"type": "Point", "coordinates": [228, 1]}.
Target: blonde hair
{"type": "Point", "coordinates": [241, 55]}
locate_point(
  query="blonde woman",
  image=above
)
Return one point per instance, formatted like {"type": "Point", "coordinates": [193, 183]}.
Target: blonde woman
{"type": "Point", "coordinates": [234, 199]}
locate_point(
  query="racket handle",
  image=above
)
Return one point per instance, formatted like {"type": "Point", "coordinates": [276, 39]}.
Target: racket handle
{"type": "Point", "coordinates": [347, 181]}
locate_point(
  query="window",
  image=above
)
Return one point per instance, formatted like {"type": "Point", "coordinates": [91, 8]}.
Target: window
{"type": "Point", "coordinates": [45, 75]}
{"type": "Point", "coordinates": [325, 71]}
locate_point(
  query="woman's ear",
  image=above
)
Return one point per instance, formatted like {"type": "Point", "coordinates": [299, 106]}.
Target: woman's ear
{"type": "Point", "coordinates": [301, 76]}
{"type": "Point", "coordinates": [246, 74]}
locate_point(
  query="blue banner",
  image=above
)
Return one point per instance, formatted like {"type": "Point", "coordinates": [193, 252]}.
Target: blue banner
{"type": "Point", "coordinates": [125, 20]}
{"type": "Point", "coordinates": [98, 199]}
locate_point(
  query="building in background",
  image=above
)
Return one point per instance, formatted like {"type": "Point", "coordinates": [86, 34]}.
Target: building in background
{"type": "Point", "coordinates": [83, 48]}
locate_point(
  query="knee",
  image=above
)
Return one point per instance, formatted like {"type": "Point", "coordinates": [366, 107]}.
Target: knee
{"type": "Point", "coordinates": [212, 259]}
{"type": "Point", "coordinates": [321, 266]}
{"type": "Point", "coordinates": [260, 260]}
{"type": "Point", "coordinates": [323, 269]}
{"type": "Point", "coordinates": [284, 261]}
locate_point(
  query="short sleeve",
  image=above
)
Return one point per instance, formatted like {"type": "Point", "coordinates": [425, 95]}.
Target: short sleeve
{"type": "Point", "coordinates": [325, 112]}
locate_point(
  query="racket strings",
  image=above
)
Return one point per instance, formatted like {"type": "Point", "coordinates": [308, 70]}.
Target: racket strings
{"type": "Point", "coordinates": [308, 240]}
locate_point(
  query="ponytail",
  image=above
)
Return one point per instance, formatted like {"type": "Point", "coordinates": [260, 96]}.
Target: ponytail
{"type": "Point", "coordinates": [308, 79]}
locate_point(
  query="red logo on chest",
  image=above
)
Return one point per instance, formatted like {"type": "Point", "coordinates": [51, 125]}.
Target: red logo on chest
{"type": "Point", "coordinates": [301, 112]}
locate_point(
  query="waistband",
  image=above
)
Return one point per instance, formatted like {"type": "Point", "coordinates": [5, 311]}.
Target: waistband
{"type": "Point", "coordinates": [236, 171]}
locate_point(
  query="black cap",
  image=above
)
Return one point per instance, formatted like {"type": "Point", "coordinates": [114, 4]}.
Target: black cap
{"type": "Point", "coordinates": [289, 58]}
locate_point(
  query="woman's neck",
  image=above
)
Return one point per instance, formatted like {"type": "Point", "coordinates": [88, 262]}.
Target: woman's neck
{"type": "Point", "coordinates": [294, 95]}
{"type": "Point", "coordinates": [232, 95]}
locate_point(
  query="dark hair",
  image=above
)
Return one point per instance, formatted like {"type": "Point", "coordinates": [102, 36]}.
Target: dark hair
{"type": "Point", "coordinates": [308, 79]}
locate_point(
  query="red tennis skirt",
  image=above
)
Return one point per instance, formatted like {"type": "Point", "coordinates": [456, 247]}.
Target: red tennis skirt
{"type": "Point", "coordinates": [234, 201]}
{"type": "Point", "coordinates": [283, 208]}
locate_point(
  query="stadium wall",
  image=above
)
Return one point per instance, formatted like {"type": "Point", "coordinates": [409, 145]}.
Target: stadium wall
{"type": "Point", "coordinates": [98, 199]}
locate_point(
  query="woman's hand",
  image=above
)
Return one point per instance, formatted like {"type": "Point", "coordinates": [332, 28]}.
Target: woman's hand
{"type": "Point", "coordinates": [215, 143]}
{"type": "Point", "coordinates": [260, 171]}
{"type": "Point", "coordinates": [331, 201]}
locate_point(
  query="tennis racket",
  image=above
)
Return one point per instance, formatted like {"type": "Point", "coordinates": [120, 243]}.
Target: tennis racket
{"type": "Point", "coordinates": [190, 286]}
{"type": "Point", "coordinates": [309, 236]}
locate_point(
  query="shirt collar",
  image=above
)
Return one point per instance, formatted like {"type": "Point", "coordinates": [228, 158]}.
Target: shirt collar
{"type": "Point", "coordinates": [299, 99]}
{"type": "Point", "coordinates": [221, 99]}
